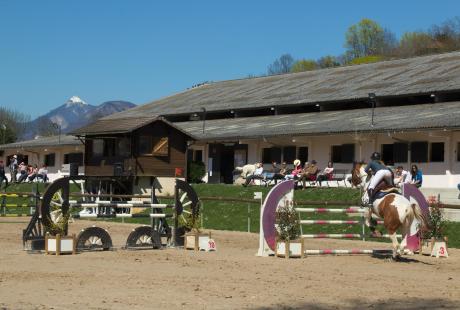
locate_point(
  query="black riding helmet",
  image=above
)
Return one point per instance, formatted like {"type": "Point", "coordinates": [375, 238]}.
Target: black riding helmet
{"type": "Point", "coordinates": [375, 156]}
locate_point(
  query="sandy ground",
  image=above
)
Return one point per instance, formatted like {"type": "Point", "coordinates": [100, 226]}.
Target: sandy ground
{"type": "Point", "coordinates": [231, 278]}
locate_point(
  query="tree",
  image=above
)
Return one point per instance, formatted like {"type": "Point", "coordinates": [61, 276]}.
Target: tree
{"type": "Point", "coordinates": [447, 35]}
{"type": "Point", "coordinates": [304, 65]}
{"type": "Point", "coordinates": [45, 127]}
{"type": "Point", "coordinates": [281, 65]}
{"type": "Point", "coordinates": [416, 44]}
{"type": "Point", "coordinates": [328, 62]}
{"type": "Point", "coordinates": [12, 124]}
{"type": "Point", "coordinates": [366, 38]}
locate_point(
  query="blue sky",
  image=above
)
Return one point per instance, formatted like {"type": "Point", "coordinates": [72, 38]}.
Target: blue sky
{"type": "Point", "coordinates": [140, 51]}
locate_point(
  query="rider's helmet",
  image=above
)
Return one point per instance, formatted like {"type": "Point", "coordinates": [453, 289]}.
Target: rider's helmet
{"type": "Point", "coordinates": [375, 156]}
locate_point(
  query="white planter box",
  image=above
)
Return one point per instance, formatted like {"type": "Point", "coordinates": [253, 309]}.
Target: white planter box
{"type": "Point", "coordinates": [60, 245]}
{"type": "Point", "coordinates": [292, 248]}
{"type": "Point", "coordinates": [197, 241]}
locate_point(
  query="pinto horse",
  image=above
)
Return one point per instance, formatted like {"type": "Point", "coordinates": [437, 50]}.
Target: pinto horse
{"type": "Point", "coordinates": [397, 212]}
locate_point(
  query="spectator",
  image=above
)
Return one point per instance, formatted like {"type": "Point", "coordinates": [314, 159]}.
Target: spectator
{"type": "Point", "coordinates": [416, 176]}
{"type": "Point", "coordinates": [296, 172]}
{"type": "Point", "coordinates": [258, 174]}
{"type": "Point", "coordinates": [309, 173]}
{"type": "Point", "coordinates": [23, 172]}
{"type": "Point", "coordinates": [14, 168]}
{"type": "Point", "coordinates": [2, 175]}
{"type": "Point", "coordinates": [32, 173]}
{"type": "Point", "coordinates": [43, 174]}
{"type": "Point", "coordinates": [326, 174]}
{"type": "Point", "coordinates": [401, 176]}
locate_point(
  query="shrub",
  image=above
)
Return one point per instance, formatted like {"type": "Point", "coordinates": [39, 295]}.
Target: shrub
{"type": "Point", "coordinates": [287, 223]}
{"type": "Point", "coordinates": [196, 172]}
{"type": "Point", "coordinates": [436, 221]}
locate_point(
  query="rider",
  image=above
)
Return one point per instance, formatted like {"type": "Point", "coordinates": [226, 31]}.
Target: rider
{"type": "Point", "coordinates": [380, 171]}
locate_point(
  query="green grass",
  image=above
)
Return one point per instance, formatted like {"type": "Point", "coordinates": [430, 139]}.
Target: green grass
{"type": "Point", "coordinates": [224, 215]}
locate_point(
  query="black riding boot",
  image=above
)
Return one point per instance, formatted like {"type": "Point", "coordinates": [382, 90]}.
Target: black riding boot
{"type": "Point", "coordinates": [370, 194]}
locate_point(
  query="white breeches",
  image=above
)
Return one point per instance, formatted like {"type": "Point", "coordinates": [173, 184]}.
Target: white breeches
{"type": "Point", "coordinates": [379, 176]}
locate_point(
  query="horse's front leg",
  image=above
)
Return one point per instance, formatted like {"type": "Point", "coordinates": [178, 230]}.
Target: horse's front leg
{"type": "Point", "coordinates": [395, 243]}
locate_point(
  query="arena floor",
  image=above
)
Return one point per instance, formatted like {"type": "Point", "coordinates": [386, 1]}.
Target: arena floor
{"type": "Point", "coordinates": [231, 278]}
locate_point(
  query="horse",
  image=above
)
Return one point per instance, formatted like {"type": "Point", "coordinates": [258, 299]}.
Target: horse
{"type": "Point", "coordinates": [243, 172]}
{"type": "Point", "coordinates": [358, 175]}
{"type": "Point", "coordinates": [397, 212]}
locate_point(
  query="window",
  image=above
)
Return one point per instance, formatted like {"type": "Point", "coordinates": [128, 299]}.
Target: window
{"type": "Point", "coordinates": [109, 147]}
{"type": "Point", "coordinates": [388, 154]}
{"type": "Point", "coordinates": [50, 160]}
{"type": "Point", "coordinates": [124, 147]}
{"type": "Point", "coordinates": [437, 152]}
{"type": "Point", "coordinates": [400, 152]}
{"type": "Point", "coordinates": [98, 147]}
{"type": "Point", "coordinates": [289, 153]}
{"type": "Point", "coordinates": [144, 145]}
{"type": "Point", "coordinates": [344, 153]}
{"type": "Point", "coordinates": [302, 154]}
{"type": "Point", "coordinates": [458, 151]}
{"type": "Point", "coordinates": [73, 158]}
{"type": "Point", "coordinates": [419, 152]}
{"type": "Point", "coordinates": [271, 154]}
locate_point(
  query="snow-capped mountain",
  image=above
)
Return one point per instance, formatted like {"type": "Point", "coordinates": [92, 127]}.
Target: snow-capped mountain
{"type": "Point", "coordinates": [74, 113]}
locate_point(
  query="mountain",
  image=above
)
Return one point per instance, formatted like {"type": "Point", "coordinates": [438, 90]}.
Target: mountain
{"type": "Point", "coordinates": [73, 114]}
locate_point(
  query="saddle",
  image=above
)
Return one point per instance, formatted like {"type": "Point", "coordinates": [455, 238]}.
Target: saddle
{"type": "Point", "coordinates": [383, 189]}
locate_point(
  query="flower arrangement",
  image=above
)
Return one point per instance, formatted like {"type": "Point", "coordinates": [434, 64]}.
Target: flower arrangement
{"type": "Point", "coordinates": [287, 223]}
{"type": "Point", "coordinates": [435, 220]}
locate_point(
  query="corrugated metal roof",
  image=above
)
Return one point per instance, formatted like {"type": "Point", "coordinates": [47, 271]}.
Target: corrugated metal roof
{"type": "Point", "coordinates": [53, 141]}
{"type": "Point", "coordinates": [423, 116]}
{"type": "Point", "coordinates": [389, 78]}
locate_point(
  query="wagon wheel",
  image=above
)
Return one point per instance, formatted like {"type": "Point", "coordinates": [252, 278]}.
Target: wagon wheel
{"type": "Point", "coordinates": [54, 209]}
{"type": "Point", "coordinates": [143, 237]}
{"type": "Point", "coordinates": [187, 205]}
{"type": "Point", "coordinates": [94, 238]}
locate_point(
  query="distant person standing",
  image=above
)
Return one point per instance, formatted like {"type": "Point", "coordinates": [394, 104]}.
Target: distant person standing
{"type": "Point", "coordinates": [14, 168]}
{"type": "Point", "coordinates": [2, 175]}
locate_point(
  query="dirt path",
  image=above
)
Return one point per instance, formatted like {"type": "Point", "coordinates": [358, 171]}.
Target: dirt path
{"type": "Point", "coordinates": [232, 278]}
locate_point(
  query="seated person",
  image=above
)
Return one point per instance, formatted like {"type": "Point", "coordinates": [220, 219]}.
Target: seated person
{"type": "Point", "coordinates": [282, 172]}
{"type": "Point", "coordinates": [23, 172]}
{"type": "Point", "coordinates": [258, 174]}
{"type": "Point", "coordinates": [326, 174]}
{"type": "Point", "coordinates": [401, 176]}
{"type": "Point", "coordinates": [43, 173]}
{"type": "Point", "coordinates": [296, 172]}
{"type": "Point", "coordinates": [416, 176]}
{"type": "Point", "coordinates": [309, 172]}
{"type": "Point", "coordinates": [32, 173]}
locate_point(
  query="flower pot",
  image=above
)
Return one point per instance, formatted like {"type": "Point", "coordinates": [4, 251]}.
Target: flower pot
{"type": "Point", "coordinates": [197, 241]}
{"type": "Point", "coordinates": [290, 248]}
{"type": "Point", "coordinates": [60, 245]}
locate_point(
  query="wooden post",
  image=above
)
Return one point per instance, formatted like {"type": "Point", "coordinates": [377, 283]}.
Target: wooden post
{"type": "Point", "coordinates": [58, 244]}
{"type": "Point", "coordinates": [46, 243]}
{"type": "Point", "coordinates": [74, 243]}
{"type": "Point", "coordinates": [286, 249]}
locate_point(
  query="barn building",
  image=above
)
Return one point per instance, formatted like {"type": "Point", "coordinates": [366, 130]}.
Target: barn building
{"type": "Point", "coordinates": [408, 109]}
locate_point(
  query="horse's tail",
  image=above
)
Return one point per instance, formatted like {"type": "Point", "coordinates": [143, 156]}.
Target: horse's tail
{"type": "Point", "coordinates": [421, 217]}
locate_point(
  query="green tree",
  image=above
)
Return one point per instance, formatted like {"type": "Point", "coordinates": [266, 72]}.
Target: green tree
{"type": "Point", "coordinates": [304, 65]}
{"type": "Point", "coordinates": [328, 62]}
{"type": "Point", "coordinates": [281, 65]}
{"type": "Point", "coordinates": [13, 124]}
{"type": "Point", "coordinates": [366, 38]}
{"type": "Point", "coordinates": [416, 44]}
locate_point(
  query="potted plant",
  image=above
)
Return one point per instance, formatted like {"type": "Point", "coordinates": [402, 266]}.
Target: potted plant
{"type": "Point", "coordinates": [56, 240]}
{"type": "Point", "coordinates": [436, 223]}
{"type": "Point", "coordinates": [194, 237]}
{"type": "Point", "coordinates": [288, 243]}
